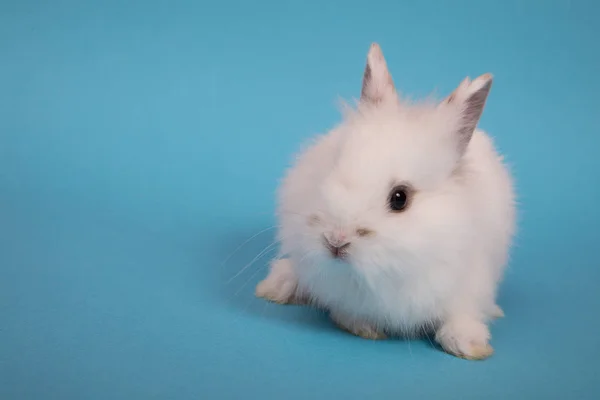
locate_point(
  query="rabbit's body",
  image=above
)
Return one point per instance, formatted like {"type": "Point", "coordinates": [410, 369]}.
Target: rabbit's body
{"type": "Point", "coordinates": [430, 256]}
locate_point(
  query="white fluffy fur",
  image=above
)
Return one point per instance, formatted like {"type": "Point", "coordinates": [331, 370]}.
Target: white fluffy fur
{"type": "Point", "coordinates": [437, 264]}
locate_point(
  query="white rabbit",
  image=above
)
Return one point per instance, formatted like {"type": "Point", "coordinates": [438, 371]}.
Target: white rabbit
{"type": "Point", "coordinates": [399, 220]}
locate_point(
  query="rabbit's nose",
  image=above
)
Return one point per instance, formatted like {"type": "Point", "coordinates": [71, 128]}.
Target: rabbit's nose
{"type": "Point", "coordinates": [337, 246]}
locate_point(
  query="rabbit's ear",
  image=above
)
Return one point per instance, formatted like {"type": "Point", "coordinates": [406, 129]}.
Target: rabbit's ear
{"type": "Point", "coordinates": [377, 85]}
{"type": "Point", "coordinates": [468, 100]}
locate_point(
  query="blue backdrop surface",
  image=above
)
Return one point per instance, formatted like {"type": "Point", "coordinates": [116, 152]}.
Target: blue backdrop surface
{"type": "Point", "coordinates": [141, 143]}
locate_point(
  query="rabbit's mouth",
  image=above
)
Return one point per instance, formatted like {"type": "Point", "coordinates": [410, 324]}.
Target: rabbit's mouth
{"type": "Point", "coordinates": [336, 250]}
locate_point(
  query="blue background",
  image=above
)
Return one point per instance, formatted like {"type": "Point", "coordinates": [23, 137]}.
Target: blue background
{"type": "Point", "coordinates": [141, 142]}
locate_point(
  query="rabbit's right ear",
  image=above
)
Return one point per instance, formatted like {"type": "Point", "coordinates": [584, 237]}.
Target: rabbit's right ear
{"type": "Point", "coordinates": [377, 83]}
{"type": "Point", "coordinates": [468, 101]}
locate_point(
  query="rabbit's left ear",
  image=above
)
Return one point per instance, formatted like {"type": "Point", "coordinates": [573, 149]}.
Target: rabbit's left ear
{"type": "Point", "coordinates": [377, 83]}
{"type": "Point", "coordinates": [468, 100]}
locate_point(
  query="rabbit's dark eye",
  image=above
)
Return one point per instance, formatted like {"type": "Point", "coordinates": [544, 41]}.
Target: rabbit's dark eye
{"type": "Point", "coordinates": [398, 198]}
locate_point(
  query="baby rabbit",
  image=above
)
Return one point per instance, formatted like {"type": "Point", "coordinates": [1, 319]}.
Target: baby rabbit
{"type": "Point", "coordinates": [399, 220]}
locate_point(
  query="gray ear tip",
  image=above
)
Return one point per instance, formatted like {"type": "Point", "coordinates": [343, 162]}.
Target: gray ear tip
{"type": "Point", "coordinates": [375, 54]}
{"type": "Point", "coordinates": [483, 82]}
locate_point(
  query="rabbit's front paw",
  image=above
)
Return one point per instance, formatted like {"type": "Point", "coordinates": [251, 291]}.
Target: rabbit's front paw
{"type": "Point", "coordinates": [281, 283]}
{"type": "Point", "coordinates": [465, 338]}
